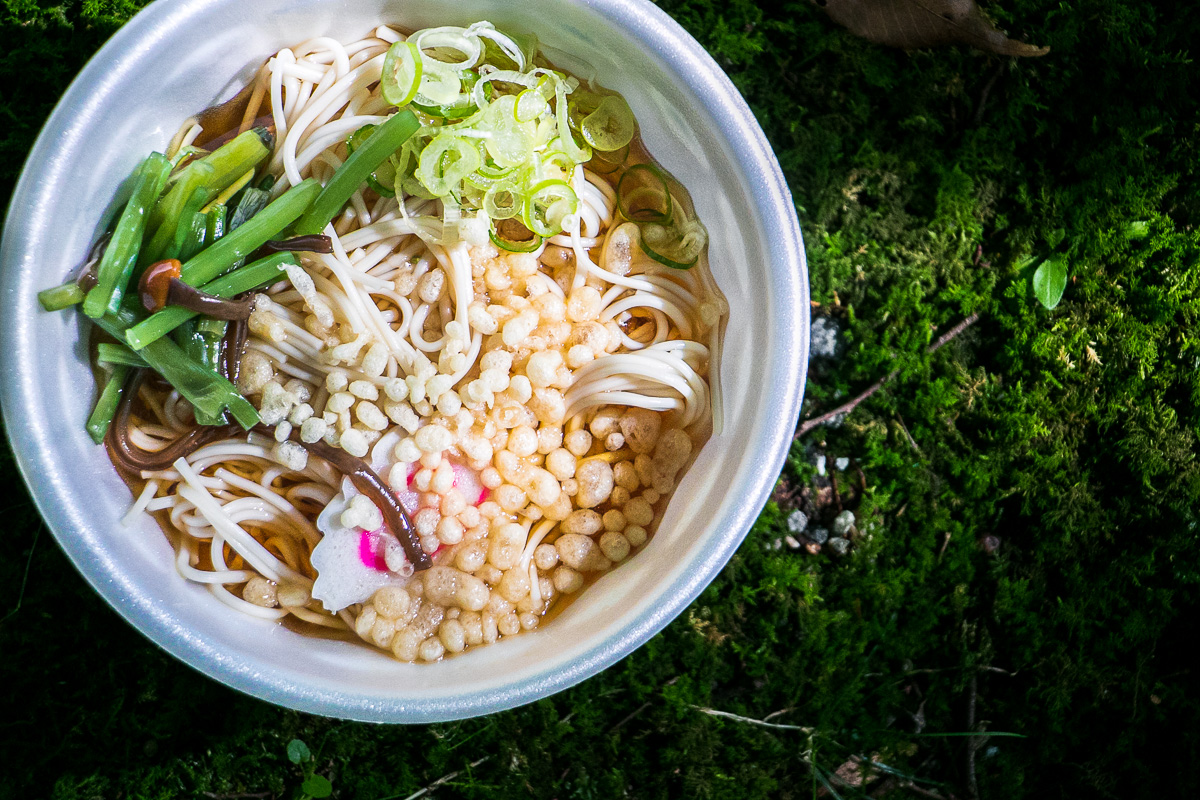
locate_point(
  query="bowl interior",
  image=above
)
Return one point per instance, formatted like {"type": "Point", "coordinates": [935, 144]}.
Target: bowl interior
{"type": "Point", "coordinates": [179, 57]}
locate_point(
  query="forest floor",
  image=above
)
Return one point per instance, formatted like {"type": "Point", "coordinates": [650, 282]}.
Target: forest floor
{"type": "Point", "coordinates": [1000, 613]}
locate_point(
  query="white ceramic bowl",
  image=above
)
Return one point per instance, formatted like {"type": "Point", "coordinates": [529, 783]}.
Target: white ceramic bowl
{"type": "Point", "coordinates": [179, 56]}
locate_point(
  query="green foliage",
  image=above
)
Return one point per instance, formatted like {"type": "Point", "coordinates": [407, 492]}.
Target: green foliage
{"type": "Point", "coordinates": [929, 185]}
{"type": "Point", "coordinates": [1050, 281]}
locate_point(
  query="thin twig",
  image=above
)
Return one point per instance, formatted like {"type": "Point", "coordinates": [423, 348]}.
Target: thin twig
{"type": "Point", "coordinates": [849, 406]}
{"type": "Point", "coordinates": [715, 713]}
{"type": "Point", "coordinates": [25, 578]}
{"type": "Point", "coordinates": [778, 713]}
{"type": "Point", "coordinates": [642, 708]}
{"type": "Point", "coordinates": [844, 408]}
{"type": "Point", "coordinates": [908, 436]}
{"type": "Point", "coordinates": [996, 669]}
{"type": "Point", "coordinates": [953, 332]}
{"type": "Point", "coordinates": [443, 780]}
{"type": "Point", "coordinates": [983, 94]}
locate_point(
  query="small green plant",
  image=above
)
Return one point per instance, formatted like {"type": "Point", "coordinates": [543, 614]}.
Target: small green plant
{"type": "Point", "coordinates": [314, 786]}
{"type": "Point", "coordinates": [1050, 281]}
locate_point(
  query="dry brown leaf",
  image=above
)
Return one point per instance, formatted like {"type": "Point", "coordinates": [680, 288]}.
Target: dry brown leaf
{"type": "Point", "coordinates": [925, 23]}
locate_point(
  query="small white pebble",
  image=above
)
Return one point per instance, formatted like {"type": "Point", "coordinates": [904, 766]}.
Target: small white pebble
{"type": "Point", "coordinates": [797, 522]}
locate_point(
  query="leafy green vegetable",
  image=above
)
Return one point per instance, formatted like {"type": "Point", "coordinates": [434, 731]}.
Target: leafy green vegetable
{"type": "Point", "coordinates": [366, 159]}
{"type": "Point", "coordinates": [116, 267]}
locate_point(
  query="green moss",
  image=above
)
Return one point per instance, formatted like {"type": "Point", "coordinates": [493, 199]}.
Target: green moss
{"type": "Point", "coordinates": [928, 185]}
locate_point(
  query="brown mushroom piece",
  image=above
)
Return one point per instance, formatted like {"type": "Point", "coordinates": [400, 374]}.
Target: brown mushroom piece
{"type": "Point", "coordinates": [160, 286]}
{"type": "Point", "coordinates": [133, 458]}
{"type": "Point", "coordinates": [367, 481]}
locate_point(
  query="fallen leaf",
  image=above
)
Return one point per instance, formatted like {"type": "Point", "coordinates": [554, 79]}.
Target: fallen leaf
{"type": "Point", "coordinates": [1050, 281]}
{"type": "Point", "coordinates": [925, 23]}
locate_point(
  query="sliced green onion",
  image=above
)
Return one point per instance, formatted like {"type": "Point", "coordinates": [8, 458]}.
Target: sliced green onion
{"type": "Point", "coordinates": [121, 256]}
{"type": "Point", "coordinates": [547, 204]}
{"type": "Point", "coordinates": [643, 196]}
{"type": "Point", "coordinates": [557, 164]}
{"type": "Point", "coordinates": [440, 85]}
{"type": "Point", "coordinates": [109, 353]}
{"type": "Point", "coordinates": [409, 185]}
{"type": "Point", "coordinates": [569, 145]}
{"type": "Point", "coordinates": [358, 138]}
{"type": "Point", "coordinates": [463, 105]}
{"type": "Point", "coordinates": [460, 110]}
{"type": "Point", "coordinates": [265, 225]}
{"type": "Point", "coordinates": [605, 162]}
{"type": "Point", "coordinates": [509, 143]}
{"type": "Point", "coordinates": [489, 175]}
{"type": "Point", "coordinates": [503, 200]}
{"type": "Point", "coordinates": [383, 141]}
{"type": "Point", "coordinates": [402, 71]}
{"type": "Point", "coordinates": [60, 297]}
{"type": "Point", "coordinates": [448, 38]}
{"type": "Point", "coordinates": [106, 406]}
{"type": "Point", "coordinates": [241, 280]}
{"type": "Point", "coordinates": [514, 245]}
{"type": "Point", "coordinates": [513, 48]}
{"type": "Point", "coordinates": [531, 104]}
{"type": "Point", "coordinates": [611, 126]}
{"type": "Point", "coordinates": [445, 161]}
{"type": "Point", "coordinates": [677, 246]}
{"type": "Point", "coordinates": [500, 76]}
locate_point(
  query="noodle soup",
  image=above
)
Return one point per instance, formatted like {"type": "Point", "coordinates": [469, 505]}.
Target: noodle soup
{"type": "Point", "coordinates": [473, 381]}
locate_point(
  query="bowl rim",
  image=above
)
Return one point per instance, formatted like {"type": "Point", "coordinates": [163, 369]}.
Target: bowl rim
{"type": "Point", "coordinates": [654, 30]}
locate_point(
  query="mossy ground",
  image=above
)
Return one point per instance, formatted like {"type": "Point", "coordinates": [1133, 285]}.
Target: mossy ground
{"type": "Point", "coordinates": [929, 185]}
